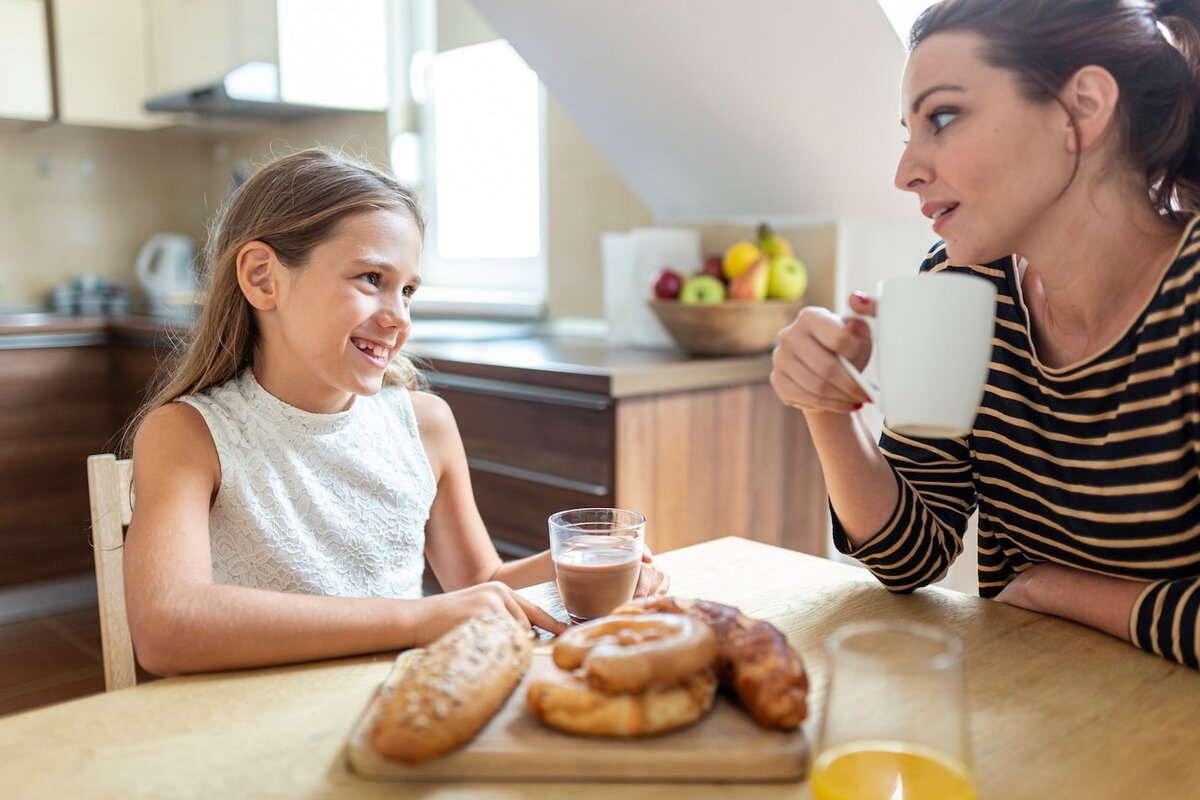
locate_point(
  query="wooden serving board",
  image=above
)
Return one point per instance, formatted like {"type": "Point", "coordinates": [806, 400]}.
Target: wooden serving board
{"type": "Point", "coordinates": [725, 746]}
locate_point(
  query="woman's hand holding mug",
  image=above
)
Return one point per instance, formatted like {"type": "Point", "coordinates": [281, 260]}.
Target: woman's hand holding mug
{"type": "Point", "coordinates": [807, 370]}
{"type": "Point", "coordinates": [934, 334]}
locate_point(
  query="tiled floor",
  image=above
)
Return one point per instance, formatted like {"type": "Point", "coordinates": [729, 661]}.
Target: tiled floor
{"type": "Point", "coordinates": [50, 659]}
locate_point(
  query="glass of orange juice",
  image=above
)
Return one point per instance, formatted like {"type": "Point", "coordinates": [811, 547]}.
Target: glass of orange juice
{"type": "Point", "coordinates": [895, 724]}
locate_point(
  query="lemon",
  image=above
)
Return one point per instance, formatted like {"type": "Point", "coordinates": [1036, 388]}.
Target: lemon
{"type": "Point", "coordinates": [739, 258]}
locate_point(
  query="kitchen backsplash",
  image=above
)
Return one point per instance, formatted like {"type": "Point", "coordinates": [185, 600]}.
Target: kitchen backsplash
{"type": "Point", "coordinates": [78, 200]}
{"type": "Point", "coordinates": [83, 201]}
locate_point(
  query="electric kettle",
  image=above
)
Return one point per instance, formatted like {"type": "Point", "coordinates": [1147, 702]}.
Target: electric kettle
{"type": "Point", "coordinates": [166, 271]}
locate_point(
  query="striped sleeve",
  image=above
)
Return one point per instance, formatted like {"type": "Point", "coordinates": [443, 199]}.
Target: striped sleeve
{"type": "Point", "coordinates": [936, 498]}
{"type": "Point", "coordinates": [1164, 620]}
{"type": "Point", "coordinates": [925, 533]}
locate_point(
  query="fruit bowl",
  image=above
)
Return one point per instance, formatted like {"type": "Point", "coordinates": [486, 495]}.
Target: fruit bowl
{"type": "Point", "coordinates": [731, 328]}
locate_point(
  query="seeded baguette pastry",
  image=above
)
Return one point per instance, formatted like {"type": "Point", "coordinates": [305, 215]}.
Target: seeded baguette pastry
{"type": "Point", "coordinates": [451, 691]}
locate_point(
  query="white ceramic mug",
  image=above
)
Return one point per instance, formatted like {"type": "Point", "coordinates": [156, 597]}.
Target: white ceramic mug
{"type": "Point", "coordinates": [933, 342]}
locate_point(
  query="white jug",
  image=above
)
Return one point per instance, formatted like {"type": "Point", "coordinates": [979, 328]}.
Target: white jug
{"type": "Point", "coordinates": [166, 271]}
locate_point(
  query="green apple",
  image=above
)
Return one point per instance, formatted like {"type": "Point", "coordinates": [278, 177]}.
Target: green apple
{"type": "Point", "coordinates": [787, 278]}
{"type": "Point", "coordinates": [700, 289]}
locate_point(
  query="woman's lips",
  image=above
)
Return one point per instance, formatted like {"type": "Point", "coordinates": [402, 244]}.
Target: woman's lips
{"type": "Point", "coordinates": [942, 218]}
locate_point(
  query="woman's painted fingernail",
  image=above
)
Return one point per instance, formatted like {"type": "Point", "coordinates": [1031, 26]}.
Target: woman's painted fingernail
{"type": "Point", "coordinates": [857, 406]}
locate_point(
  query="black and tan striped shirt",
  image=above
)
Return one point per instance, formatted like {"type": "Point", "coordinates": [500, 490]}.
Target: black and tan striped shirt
{"type": "Point", "coordinates": [1095, 465]}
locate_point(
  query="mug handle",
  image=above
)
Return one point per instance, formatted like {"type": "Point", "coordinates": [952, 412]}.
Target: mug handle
{"type": "Point", "coordinates": [869, 389]}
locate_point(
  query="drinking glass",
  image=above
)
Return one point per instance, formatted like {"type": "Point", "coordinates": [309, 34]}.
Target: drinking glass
{"type": "Point", "coordinates": [895, 725]}
{"type": "Point", "coordinates": [597, 554]}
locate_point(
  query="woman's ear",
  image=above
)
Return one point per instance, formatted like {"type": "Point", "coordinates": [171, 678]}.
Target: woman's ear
{"type": "Point", "coordinates": [1091, 94]}
{"type": "Point", "coordinates": [256, 274]}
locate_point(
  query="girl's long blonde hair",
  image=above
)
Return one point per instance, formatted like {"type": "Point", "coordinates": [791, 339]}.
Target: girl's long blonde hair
{"type": "Point", "coordinates": [291, 204]}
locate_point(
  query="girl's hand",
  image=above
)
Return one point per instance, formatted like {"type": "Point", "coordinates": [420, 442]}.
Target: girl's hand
{"type": "Point", "coordinates": [439, 613]}
{"type": "Point", "coordinates": [806, 372]}
{"type": "Point", "coordinates": [652, 580]}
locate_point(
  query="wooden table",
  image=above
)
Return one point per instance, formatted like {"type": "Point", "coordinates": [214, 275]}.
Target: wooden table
{"type": "Point", "coordinates": [1057, 710]}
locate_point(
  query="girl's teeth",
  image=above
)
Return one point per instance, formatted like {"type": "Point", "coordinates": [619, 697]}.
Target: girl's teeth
{"type": "Point", "coordinates": [379, 351]}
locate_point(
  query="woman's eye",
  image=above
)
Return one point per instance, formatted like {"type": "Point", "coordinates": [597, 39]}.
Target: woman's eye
{"type": "Point", "coordinates": [372, 278]}
{"type": "Point", "coordinates": [409, 291]}
{"type": "Point", "coordinates": [940, 119]}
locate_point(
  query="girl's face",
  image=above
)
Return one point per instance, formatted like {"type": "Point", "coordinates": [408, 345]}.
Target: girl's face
{"type": "Point", "coordinates": [343, 315]}
{"type": "Point", "coordinates": [988, 165]}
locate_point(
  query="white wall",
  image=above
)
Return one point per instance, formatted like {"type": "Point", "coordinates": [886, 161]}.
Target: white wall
{"type": "Point", "coordinates": [719, 111]}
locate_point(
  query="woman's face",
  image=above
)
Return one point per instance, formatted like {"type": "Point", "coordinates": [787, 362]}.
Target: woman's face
{"type": "Point", "coordinates": [345, 314]}
{"type": "Point", "coordinates": [987, 164]}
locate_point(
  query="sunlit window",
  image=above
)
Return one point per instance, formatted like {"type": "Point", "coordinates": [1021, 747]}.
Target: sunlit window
{"type": "Point", "coordinates": [487, 147]}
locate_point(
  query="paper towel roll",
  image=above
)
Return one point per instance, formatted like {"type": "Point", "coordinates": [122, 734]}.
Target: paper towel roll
{"type": "Point", "coordinates": [631, 260]}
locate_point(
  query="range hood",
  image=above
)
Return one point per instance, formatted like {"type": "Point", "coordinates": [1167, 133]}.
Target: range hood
{"type": "Point", "coordinates": [249, 91]}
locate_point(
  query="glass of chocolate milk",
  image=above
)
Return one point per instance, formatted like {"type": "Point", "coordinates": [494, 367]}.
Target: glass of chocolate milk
{"type": "Point", "coordinates": [597, 556]}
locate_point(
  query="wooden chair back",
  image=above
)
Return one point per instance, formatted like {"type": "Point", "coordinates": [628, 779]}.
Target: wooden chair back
{"type": "Point", "coordinates": [110, 487]}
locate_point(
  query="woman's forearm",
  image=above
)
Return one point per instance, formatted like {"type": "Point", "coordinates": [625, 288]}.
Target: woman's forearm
{"type": "Point", "coordinates": [862, 486]}
{"type": "Point", "coordinates": [1098, 601]}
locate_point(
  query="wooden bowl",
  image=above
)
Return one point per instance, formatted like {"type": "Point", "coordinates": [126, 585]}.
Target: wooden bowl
{"type": "Point", "coordinates": [731, 328]}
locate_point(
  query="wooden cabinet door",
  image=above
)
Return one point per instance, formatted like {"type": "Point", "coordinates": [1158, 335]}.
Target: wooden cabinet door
{"type": "Point", "coordinates": [24, 61]}
{"type": "Point", "coordinates": [102, 63]}
{"type": "Point", "coordinates": [195, 43]}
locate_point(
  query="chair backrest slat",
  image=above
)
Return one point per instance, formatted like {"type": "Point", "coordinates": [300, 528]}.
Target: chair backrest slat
{"type": "Point", "coordinates": [110, 489]}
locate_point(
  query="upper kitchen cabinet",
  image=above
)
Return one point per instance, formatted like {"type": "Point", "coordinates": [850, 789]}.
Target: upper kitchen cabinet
{"type": "Point", "coordinates": [278, 58]}
{"type": "Point", "coordinates": [24, 61]}
{"type": "Point", "coordinates": [102, 63]}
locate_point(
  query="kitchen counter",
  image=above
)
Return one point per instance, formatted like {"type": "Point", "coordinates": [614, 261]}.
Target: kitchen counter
{"type": "Point", "coordinates": [586, 365]}
{"type": "Point", "coordinates": [26, 331]}
{"type": "Point", "coordinates": [571, 364]}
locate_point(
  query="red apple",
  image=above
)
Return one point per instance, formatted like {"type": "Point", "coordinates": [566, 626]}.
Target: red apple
{"type": "Point", "coordinates": [668, 284]}
{"type": "Point", "coordinates": [712, 266]}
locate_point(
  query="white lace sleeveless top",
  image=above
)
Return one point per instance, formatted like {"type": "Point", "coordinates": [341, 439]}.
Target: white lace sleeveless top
{"type": "Point", "coordinates": [330, 504]}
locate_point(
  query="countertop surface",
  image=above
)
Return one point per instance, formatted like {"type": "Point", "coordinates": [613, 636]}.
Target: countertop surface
{"type": "Point", "coordinates": [586, 365]}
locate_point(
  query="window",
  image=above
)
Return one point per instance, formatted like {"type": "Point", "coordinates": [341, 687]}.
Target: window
{"type": "Point", "coordinates": [479, 156]}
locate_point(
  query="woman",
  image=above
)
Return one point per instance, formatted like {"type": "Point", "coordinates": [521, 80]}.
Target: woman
{"type": "Point", "coordinates": [1054, 144]}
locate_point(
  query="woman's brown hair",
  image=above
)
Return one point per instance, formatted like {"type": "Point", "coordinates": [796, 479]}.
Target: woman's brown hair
{"type": "Point", "coordinates": [1045, 42]}
{"type": "Point", "coordinates": [292, 204]}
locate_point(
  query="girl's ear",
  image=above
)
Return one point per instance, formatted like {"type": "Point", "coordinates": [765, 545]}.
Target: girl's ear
{"type": "Point", "coordinates": [256, 266]}
{"type": "Point", "coordinates": [1091, 94]}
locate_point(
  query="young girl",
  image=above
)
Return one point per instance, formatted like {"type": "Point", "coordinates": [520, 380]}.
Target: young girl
{"type": "Point", "coordinates": [289, 482]}
{"type": "Point", "coordinates": [1055, 145]}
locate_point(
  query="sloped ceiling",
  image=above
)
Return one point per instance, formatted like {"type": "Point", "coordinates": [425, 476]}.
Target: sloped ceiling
{"type": "Point", "coordinates": [721, 110]}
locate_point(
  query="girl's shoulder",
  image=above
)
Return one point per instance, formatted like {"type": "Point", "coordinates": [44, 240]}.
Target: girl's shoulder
{"type": "Point", "coordinates": [175, 436]}
{"type": "Point", "coordinates": [432, 412]}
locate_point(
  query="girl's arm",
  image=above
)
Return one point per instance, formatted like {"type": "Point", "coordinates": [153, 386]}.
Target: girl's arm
{"type": "Point", "coordinates": [182, 622]}
{"type": "Point", "coordinates": [456, 540]}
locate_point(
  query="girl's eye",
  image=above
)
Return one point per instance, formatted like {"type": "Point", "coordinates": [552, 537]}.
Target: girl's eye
{"type": "Point", "coordinates": [941, 118]}
{"type": "Point", "coordinates": [372, 278]}
{"type": "Point", "coordinates": [409, 291]}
